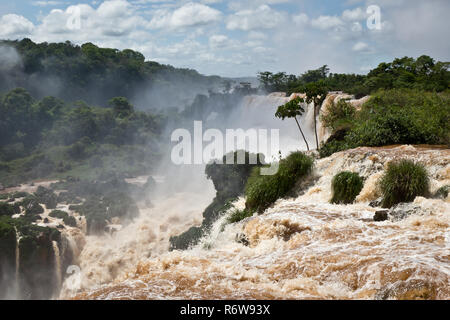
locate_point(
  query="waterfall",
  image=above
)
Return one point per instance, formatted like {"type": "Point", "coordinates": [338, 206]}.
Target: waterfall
{"type": "Point", "coordinates": [307, 248]}
{"type": "Point", "coordinates": [18, 237]}
{"type": "Point", "coordinates": [258, 112]}
{"type": "Point", "coordinates": [57, 264]}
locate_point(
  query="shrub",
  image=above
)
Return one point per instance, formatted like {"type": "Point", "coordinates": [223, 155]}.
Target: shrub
{"type": "Point", "coordinates": [263, 191]}
{"type": "Point", "coordinates": [403, 116]}
{"type": "Point", "coordinates": [239, 215]}
{"type": "Point", "coordinates": [400, 116]}
{"type": "Point", "coordinates": [70, 221]}
{"type": "Point", "coordinates": [402, 182]}
{"type": "Point", "coordinates": [338, 115]}
{"type": "Point", "coordinates": [346, 186]}
{"type": "Point", "coordinates": [442, 192]}
{"type": "Point", "coordinates": [58, 214]}
{"type": "Point", "coordinates": [6, 209]}
{"type": "Point", "coordinates": [329, 148]}
{"type": "Point", "coordinates": [47, 197]}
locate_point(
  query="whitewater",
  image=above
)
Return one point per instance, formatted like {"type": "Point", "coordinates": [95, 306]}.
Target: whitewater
{"type": "Point", "coordinates": [300, 248]}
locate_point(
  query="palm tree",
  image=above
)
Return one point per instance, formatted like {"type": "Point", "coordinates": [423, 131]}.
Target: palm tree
{"type": "Point", "coordinates": [292, 109]}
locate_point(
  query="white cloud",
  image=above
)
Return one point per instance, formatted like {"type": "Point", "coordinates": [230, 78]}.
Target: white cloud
{"type": "Point", "coordinates": [354, 15]}
{"type": "Point", "coordinates": [327, 22]}
{"type": "Point", "coordinates": [262, 17]}
{"type": "Point", "coordinates": [360, 46]}
{"type": "Point", "coordinates": [190, 14]}
{"type": "Point", "coordinates": [14, 26]}
{"type": "Point", "coordinates": [218, 41]}
{"type": "Point", "coordinates": [46, 3]}
{"type": "Point", "coordinates": [356, 27]}
{"type": "Point", "coordinates": [113, 9]}
{"type": "Point", "coordinates": [257, 35]}
{"type": "Point", "coordinates": [195, 34]}
{"type": "Point", "coordinates": [300, 19]}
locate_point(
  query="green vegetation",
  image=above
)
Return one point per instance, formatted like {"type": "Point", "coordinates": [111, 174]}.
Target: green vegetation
{"type": "Point", "coordinates": [262, 191]}
{"type": "Point", "coordinates": [47, 138]}
{"type": "Point", "coordinates": [229, 181]}
{"type": "Point", "coordinates": [442, 192]}
{"type": "Point", "coordinates": [316, 92]}
{"type": "Point", "coordinates": [422, 74]}
{"type": "Point", "coordinates": [6, 209]}
{"type": "Point", "coordinates": [339, 115]}
{"type": "Point", "coordinates": [403, 181]}
{"type": "Point", "coordinates": [292, 109]}
{"type": "Point", "coordinates": [345, 187]}
{"type": "Point", "coordinates": [400, 116]}
{"type": "Point", "coordinates": [239, 215]}
{"type": "Point", "coordinates": [36, 272]}
{"type": "Point", "coordinates": [68, 220]}
{"type": "Point", "coordinates": [98, 74]}
{"type": "Point", "coordinates": [98, 211]}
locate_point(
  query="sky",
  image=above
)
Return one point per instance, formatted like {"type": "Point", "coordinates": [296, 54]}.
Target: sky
{"type": "Point", "coordinates": [238, 38]}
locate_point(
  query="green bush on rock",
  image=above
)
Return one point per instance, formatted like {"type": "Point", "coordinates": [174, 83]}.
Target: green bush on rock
{"type": "Point", "coordinates": [345, 187]}
{"type": "Point", "coordinates": [403, 181]}
{"type": "Point", "coordinates": [239, 215]}
{"type": "Point", "coordinates": [262, 191]}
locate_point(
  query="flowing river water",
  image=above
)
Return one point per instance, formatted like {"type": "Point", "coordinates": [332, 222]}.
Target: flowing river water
{"type": "Point", "coordinates": [306, 248]}
{"type": "Point", "coordinates": [301, 248]}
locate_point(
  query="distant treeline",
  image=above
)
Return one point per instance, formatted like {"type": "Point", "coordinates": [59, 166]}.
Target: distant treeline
{"type": "Point", "coordinates": [71, 72]}
{"type": "Point", "coordinates": [423, 73]}
{"type": "Point", "coordinates": [48, 136]}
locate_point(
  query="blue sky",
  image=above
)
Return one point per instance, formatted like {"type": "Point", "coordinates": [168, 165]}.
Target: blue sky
{"type": "Point", "coordinates": [241, 37]}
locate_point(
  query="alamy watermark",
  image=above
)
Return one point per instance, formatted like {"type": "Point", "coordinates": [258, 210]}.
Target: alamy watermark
{"type": "Point", "coordinates": [73, 282]}
{"type": "Point", "coordinates": [74, 20]}
{"type": "Point", "coordinates": [374, 18]}
{"type": "Point", "coordinates": [202, 147]}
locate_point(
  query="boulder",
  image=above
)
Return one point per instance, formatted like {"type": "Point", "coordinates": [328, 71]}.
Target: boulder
{"type": "Point", "coordinates": [381, 215]}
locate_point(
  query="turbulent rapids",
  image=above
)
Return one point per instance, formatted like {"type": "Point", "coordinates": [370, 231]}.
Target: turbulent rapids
{"type": "Point", "coordinates": [300, 248]}
{"type": "Point", "coordinates": [305, 248]}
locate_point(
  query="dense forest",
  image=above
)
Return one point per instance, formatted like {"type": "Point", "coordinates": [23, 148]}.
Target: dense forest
{"type": "Point", "coordinates": [96, 74]}
{"type": "Point", "coordinates": [82, 110]}
{"type": "Point", "coordinates": [423, 73]}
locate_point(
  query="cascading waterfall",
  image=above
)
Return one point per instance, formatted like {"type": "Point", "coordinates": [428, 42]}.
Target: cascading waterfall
{"type": "Point", "coordinates": [17, 274]}
{"type": "Point", "coordinates": [112, 257]}
{"type": "Point", "coordinates": [300, 248]}
{"type": "Point", "coordinates": [58, 274]}
{"type": "Point", "coordinates": [305, 247]}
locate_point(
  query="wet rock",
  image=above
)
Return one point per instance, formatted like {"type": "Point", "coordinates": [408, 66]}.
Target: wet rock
{"type": "Point", "coordinates": [242, 239]}
{"type": "Point", "coordinates": [375, 203]}
{"type": "Point", "coordinates": [381, 215]}
{"type": "Point", "coordinates": [442, 193]}
{"type": "Point", "coordinates": [403, 211]}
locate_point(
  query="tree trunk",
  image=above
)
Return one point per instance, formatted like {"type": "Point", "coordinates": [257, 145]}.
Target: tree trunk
{"type": "Point", "coordinates": [315, 127]}
{"type": "Point", "coordinates": [301, 131]}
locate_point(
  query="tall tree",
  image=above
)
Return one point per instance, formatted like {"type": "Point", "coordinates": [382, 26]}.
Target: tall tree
{"type": "Point", "coordinates": [121, 107]}
{"type": "Point", "coordinates": [292, 109]}
{"type": "Point", "coordinates": [316, 93]}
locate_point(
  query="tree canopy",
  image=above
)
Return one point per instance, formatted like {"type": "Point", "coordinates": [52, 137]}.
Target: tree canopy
{"type": "Point", "coordinates": [423, 73]}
